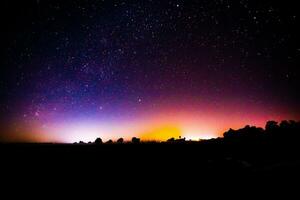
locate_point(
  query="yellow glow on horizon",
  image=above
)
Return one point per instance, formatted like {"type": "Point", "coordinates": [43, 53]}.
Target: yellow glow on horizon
{"type": "Point", "coordinates": [161, 133]}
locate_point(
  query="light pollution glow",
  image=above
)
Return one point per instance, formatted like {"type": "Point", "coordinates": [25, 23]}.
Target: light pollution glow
{"type": "Point", "coordinates": [191, 123]}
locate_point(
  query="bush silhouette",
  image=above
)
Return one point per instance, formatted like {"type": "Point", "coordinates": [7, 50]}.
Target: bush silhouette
{"type": "Point", "coordinates": [120, 140]}
{"type": "Point", "coordinates": [135, 140]}
{"type": "Point", "coordinates": [171, 140]}
{"type": "Point", "coordinates": [180, 139]}
{"type": "Point", "coordinates": [109, 142]}
{"type": "Point", "coordinates": [98, 141]}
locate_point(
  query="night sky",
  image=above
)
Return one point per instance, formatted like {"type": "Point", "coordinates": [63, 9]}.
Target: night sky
{"type": "Point", "coordinates": [77, 70]}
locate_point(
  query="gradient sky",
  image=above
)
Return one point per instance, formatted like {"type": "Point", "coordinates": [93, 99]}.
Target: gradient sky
{"type": "Point", "coordinates": [77, 70]}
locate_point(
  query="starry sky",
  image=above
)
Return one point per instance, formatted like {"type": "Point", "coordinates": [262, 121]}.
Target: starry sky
{"type": "Point", "coordinates": [81, 69]}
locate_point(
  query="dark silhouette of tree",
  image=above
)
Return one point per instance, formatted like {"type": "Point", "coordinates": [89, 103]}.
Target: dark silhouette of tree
{"type": "Point", "coordinates": [98, 141]}
{"type": "Point", "coordinates": [294, 125]}
{"type": "Point", "coordinates": [120, 140]}
{"type": "Point", "coordinates": [180, 139]}
{"type": "Point", "coordinates": [229, 134]}
{"type": "Point", "coordinates": [271, 126]}
{"type": "Point", "coordinates": [171, 140]}
{"type": "Point", "coordinates": [109, 142]}
{"type": "Point", "coordinates": [287, 132]}
{"type": "Point", "coordinates": [290, 128]}
{"type": "Point", "coordinates": [135, 140]}
{"type": "Point", "coordinates": [246, 133]}
{"type": "Point", "coordinates": [284, 125]}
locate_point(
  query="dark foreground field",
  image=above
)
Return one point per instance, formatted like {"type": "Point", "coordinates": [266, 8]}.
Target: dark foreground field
{"type": "Point", "coordinates": [187, 168]}
{"type": "Point", "coordinates": [153, 160]}
{"type": "Point", "coordinates": [247, 158]}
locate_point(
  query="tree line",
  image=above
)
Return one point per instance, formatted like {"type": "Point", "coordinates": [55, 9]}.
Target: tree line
{"type": "Point", "coordinates": [273, 131]}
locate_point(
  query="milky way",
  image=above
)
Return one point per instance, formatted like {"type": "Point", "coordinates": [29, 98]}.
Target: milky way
{"type": "Point", "coordinates": [77, 70]}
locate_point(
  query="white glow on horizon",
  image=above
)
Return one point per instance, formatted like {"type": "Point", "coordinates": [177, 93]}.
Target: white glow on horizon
{"type": "Point", "coordinates": [195, 133]}
{"type": "Point", "coordinates": [88, 131]}
{"type": "Point", "coordinates": [81, 132]}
